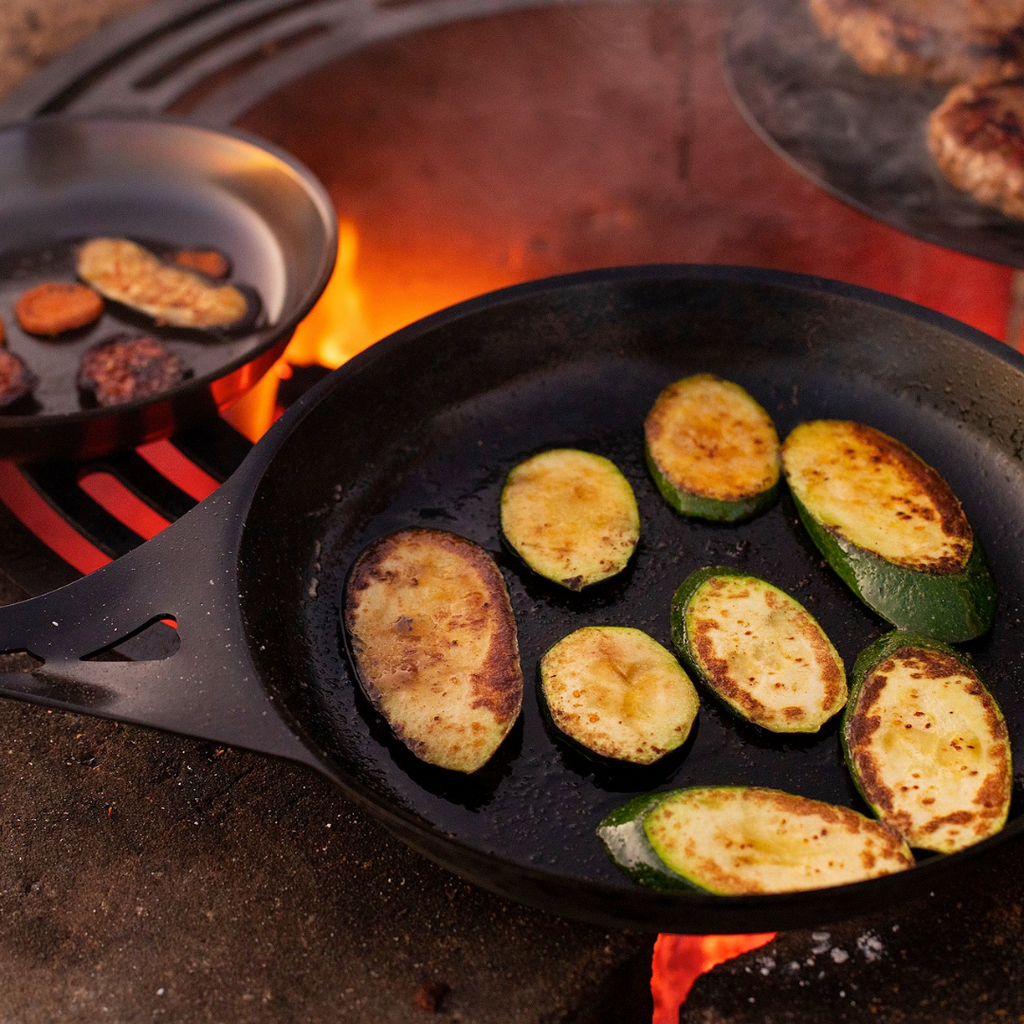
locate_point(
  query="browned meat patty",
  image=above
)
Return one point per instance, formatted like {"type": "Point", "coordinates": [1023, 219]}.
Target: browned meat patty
{"type": "Point", "coordinates": [124, 368]}
{"type": "Point", "coordinates": [977, 138]}
{"type": "Point", "coordinates": [16, 379]}
{"type": "Point", "coordinates": [941, 41]}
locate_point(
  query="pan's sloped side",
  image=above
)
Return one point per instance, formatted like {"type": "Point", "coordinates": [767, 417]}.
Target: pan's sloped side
{"type": "Point", "coordinates": [421, 430]}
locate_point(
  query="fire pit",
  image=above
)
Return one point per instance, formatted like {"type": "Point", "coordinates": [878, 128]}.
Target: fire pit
{"type": "Point", "coordinates": [448, 179]}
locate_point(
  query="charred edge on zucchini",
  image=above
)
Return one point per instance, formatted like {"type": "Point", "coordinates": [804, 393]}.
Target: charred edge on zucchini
{"type": "Point", "coordinates": [571, 516]}
{"type": "Point", "coordinates": [617, 692]}
{"type": "Point", "coordinates": [758, 649]}
{"type": "Point", "coordinates": [712, 450]}
{"type": "Point", "coordinates": [738, 840]}
{"type": "Point", "coordinates": [434, 644]}
{"type": "Point", "coordinates": [891, 528]}
{"type": "Point", "coordinates": [125, 272]}
{"type": "Point", "coordinates": [927, 744]}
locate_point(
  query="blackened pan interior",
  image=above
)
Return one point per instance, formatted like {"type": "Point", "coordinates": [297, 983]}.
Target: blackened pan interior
{"type": "Point", "coordinates": [166, 184]}
{"type": "Point", "coordinates": [422, 429]}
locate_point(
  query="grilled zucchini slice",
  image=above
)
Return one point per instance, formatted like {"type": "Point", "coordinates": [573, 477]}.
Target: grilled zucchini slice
{"type": "Point", "coordinates": [434, 643]}
{"type": "Point", "coordinates": [744, 840]}
{"type": "Point", "coordinates": [891, 527]}
{"type": "Point", "coordinates": [758, 649]}
{"type": "Point", "coordinates": [619, 693]}
{"type": "Point", "coordinates": [927, 744]}
{"type": "Point", "coordinates": [125, 272]}
{"type": "Point", "coordinates": [712, 450]}
{"type": "Point", "coordinates": [571, 516]}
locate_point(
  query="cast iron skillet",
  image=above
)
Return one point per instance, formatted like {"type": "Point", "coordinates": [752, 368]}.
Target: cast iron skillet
{"type": "Point", "coordinates": [422, 429]}
{"type": "Point", "coordinates": [165, 183]}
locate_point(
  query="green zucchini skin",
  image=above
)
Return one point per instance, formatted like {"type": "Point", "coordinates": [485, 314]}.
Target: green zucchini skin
{"type": "Point", "coordinates": [685, 647]}
{"type": "Point", "coordinates": [754, 854]}
{"type": "Point", "coordinates": [700, 507]}
{"type": "Point", "coordinates": [953, 607]}
{"type": "Point", "coordinates": [738, 498]}
{"type": "Point", "coordinates": [623, 835]}
{"type": "Point", "coordinates": [882, 799]}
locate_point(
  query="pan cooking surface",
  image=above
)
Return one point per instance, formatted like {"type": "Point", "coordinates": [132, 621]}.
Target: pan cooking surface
{"type": "Point", "coordinates": [55, 360]}
{"type": "Point", "coordinates": [422, 432]}
{"type": "Point", "coordinates": [861, 137]}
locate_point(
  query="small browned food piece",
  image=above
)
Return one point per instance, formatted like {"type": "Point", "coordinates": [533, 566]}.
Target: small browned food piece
{"type": "Point", "coordinates": [207, 261]}
{"type": "Point", "coordinates": [16, 379]}
{"type": "Point", "coordinates": [940, 41]}
{"type": "Point", "coordinates": [127, 273]}
{"type": "Point", "coordinates": [124, 368]}
{"type": "Point", "coordinates": [976, 136]}
{"type": "Point", "coordinates": [434, 643]}
{"type": "Point", "coordinates": [57, 306]}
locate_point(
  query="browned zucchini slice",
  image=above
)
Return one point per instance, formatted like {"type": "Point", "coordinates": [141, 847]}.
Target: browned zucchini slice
{"type": "Point", "coordinates": [759, 650]}
{"type": "Point", "coordinates": [927, 744]}
{"type": "Point", "coordinates": [745, 840]}
{"type": "Point", "coordinates": [891, 528]}
{"type": "Point", "coordinates": [713, 452]}
{"type": "Point", "coordinates": [571, 516]}
{"type": "Point", "coordinates": [434, 643]}
{"type": "Point", "coordinates": [125, 272]}
{"type": "Point", "coordinates": [619, 693]}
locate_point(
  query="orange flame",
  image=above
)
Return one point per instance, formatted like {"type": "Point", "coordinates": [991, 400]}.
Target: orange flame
{"type": "Point", "coordinates": [334, 330]}
{"type": "Point", "coordinates": [679, 960]}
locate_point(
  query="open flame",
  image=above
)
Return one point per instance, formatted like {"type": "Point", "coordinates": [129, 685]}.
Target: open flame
{"type": "Point", "coordinates": [679, 960]}
{"type": "Point", "coordinates": [333, 331]}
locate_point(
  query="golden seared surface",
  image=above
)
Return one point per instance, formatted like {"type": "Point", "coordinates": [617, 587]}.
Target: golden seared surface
{"type": "Point", "coordinates": [571, 516]}
{"type": "Point", "coordinates": [125, 272]}
{"type": "Point", "coordinates": [874, 492]}
{"type": "Point", "coordinates": [737, 840]}
{"type": "Point", "coordinates": [764, 654]}
{"type": "Point", "coordinates": [709, 438]}
{"type": "Point", "coordinates": [433, 636]}
{"type": "Point", "coordinates": [931, 751]}
{"type": "Point", "coordinates": [619, 693]}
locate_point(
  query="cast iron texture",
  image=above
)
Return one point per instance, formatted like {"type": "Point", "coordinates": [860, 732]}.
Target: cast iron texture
{"type": "Point", "coordinates": [421, 429]}
{"type": "Point", "coordinates": [163, 182]}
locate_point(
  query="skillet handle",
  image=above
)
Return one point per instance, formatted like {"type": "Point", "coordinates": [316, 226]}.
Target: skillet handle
{"type": "Point", "coordinates": [208, 688]}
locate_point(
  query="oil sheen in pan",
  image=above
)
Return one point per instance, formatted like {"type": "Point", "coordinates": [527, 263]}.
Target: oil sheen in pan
{"type": "Point", "coordinates": [452, 478]}
{"type": "Point", "coordinates": [55, 359]}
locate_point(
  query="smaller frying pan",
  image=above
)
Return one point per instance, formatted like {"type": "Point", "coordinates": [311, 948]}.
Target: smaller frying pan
{"type": "Point", "coordinates": [421, 430]}
{"type": "Point", "coordinates": [167, 184]}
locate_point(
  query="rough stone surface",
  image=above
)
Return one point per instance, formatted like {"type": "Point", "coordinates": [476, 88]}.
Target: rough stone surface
{"type": "Point", "coordinates": [933, 961]}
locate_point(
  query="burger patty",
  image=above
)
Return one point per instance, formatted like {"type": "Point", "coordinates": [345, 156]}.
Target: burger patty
{"type": "Point", "coordinates": [976, 136]}
{"type": "Point", "coordinates": [939, 41]}
{"type": "Point", "coordinates": [125, 368]}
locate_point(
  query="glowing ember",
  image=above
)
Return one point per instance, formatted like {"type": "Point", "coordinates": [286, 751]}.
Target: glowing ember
{"type": "Point", "coordinates": [679, 960]}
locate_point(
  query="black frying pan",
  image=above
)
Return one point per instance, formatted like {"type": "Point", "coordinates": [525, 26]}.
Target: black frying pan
{"type": "Point", "coordinates": [421, 429]}
{"type": "Point", "coordinates": [167, 184]}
